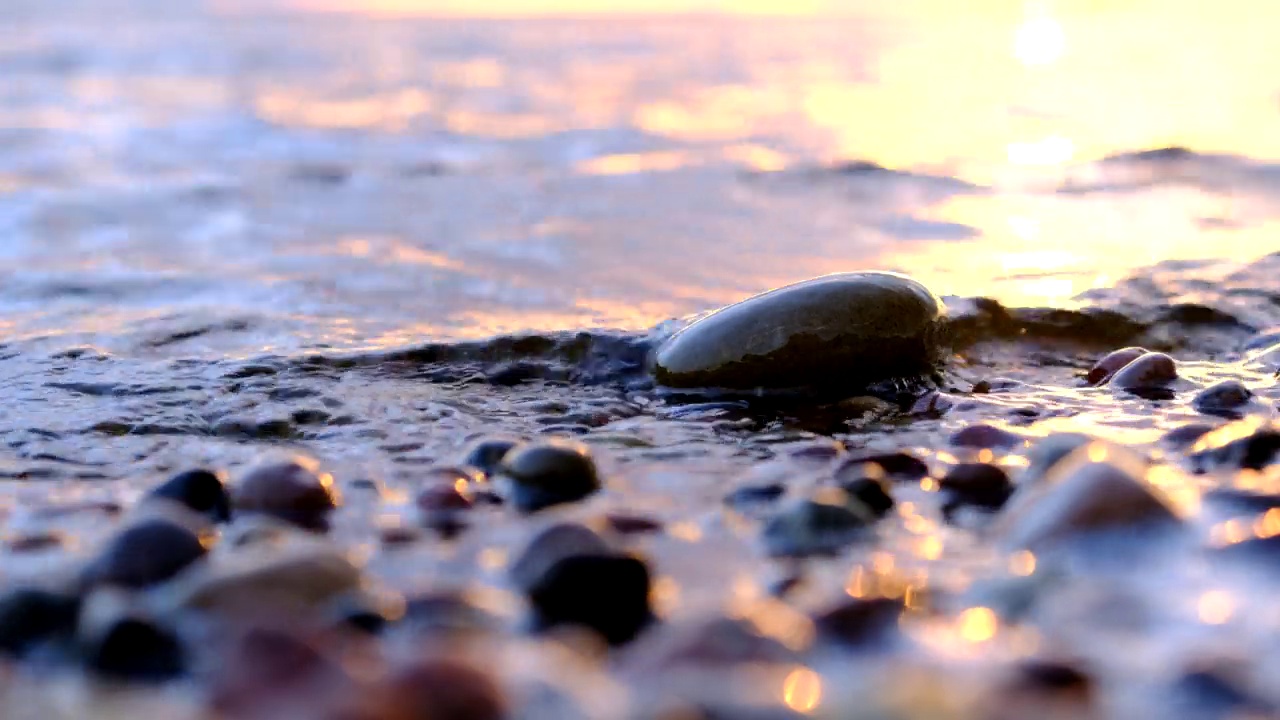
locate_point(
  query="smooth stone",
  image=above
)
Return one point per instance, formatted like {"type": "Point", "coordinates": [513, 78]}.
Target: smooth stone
{"type": "Point", "coordinates": [860, 623]}
{"type": "Point", "coordinates": [145, 554]}
{"type": "Point", "coordinates": [302, 577]}
{"type": "Point", "coordinates": [294, 491]}
{"type": "Point", "coordinates": [1254, 451]}
{"type": "Point", "coordinates": [265, 672]}
{"type": "Point", "coordinates": [985, 437]}
{"type": "Point", "coordinates": [1048, 452]}
{"type": "Point", "coordinates": [136, 650]}
{"type": "Point", "coordinates": [548, 472]}
{"type": "Point", "coordinates": [1215, 689]}
{"type": "Point", "coordinates": [899, 465]}
{"type": "Point", "coordinates": [1098, 487]}
{"type": "Point", "coordinates": [842, 331]}
{"type": "Point", "coordinates": [606, 593]}
{"type": "Point", "coordinates": [1153, 370]}
{"type": "Point", "coordinates": [868, 485]}
{"type": "Point", "coordinates": [1186, 435]}
{"type": "Point", "coordinates": [980, 485]}
{"type": "Point", "coordinates": [201, 491]}
{"type": "Point", "coordinates": [36, 542]}
{"type": "Point", "coordinates": [439, 689]}
{"type": "Point", "coordinates": [631, 524]}
{"type": "Point", "coordinates": [820, 525]}
{"type": "Point", "coordinates": [755, 494]}
{"type": "Point", "coordinates": [1112, 363]}
{"type": "Point", "coordinates": [549, 546]}
{"type": "Point", "coordinates": [1222, 398]}
{"type": "Point", "coordinates": [486, 454]}
{"type": "Point", "coordinates": [31, 617]}
{"type": "Point", "coordinates": [442, 498]}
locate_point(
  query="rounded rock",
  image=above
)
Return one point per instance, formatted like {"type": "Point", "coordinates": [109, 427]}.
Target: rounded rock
{"type": "Point", "coordinates": [821, 525]}
{"type": "Point", "coordinates": [30, 617]}
{"type": "Point", "coordinates": [980, 485]}
{"type": "Point", "coordinates": [548, 472]}
{"type": "Point", "coordinates": [1149, 371]}
{"type": "Point", "coordinates": [1222, 398]}
{"type": "Point", "coordinates": [136, 650]}
{"type": "Point", "coordinates": [868, 485]}
{"type": "Point", "coordinates": [985, 436]}
{"type": "Point", "coordinates": [836, 332]}
{"type": "Point", "coordinates": [441, 689]}
{"type": "Point", "coordinates": [1048, 452]}
{"type": "Point", "coordinates": [486, 454]}
{"type": "Point", "coordinates": [201, 491]}
{"type": "Point", "coordinates": [551, 545]}
{"type": "Point", "coordinates": [1112, 363]}
{"type": "Point", "coordinates": [294, 491]}
{"type": "Point", "coordinates": [606, 593]}
{"type": "Point", "coordinates": [145, 554]}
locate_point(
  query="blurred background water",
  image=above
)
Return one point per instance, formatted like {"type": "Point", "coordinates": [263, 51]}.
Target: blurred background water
{"type": "Point", "coordinates": [356, 174]}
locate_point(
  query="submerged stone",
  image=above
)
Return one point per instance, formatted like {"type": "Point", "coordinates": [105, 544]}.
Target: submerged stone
{"type": "Point", "coordinates": [1152, 370]}
{"type": "Point", "coordinates": [1112, 363]}
{"type": "Point", "coordinates": [832, 333]}
{"type": "Point", "coordinates": [549, 472]}
{"type": "Point", "coordinates": [820, 525]}
{"type": "Point", "coordinates": [1224, 398]}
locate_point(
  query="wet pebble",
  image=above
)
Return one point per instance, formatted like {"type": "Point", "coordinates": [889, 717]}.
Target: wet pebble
{"type": "Point", "coordinates": [822, 524]}
{"type": "Point", "coordinates": [1098, 487]}
{"type": "Point", "coordinates": [1254, 451]}
{"type": "Point", "coordinates": [604, 592]}
{"type": "Point", "coordinates": [32, 617]}
{"type": "Point", "coordinates": [135, 650]}
{"type": "Point", "coordinates": [979, 485]}
{"type": "Point", "coordinates": [1113, 362]}
{"type": "Point", "coordinates": [869, 485]}
{"type": "Point", "coordinates": [1049, 451]}
{"type": "Point", "coordinates": [486, 454]}
{"type": "Point", "coordinates": [1222, 398]}
{"type": "Point", "coordinates": [1149, 371]}
{"type": "Point", "coordinates": [898, 465]}
{"type": "Point", "coordinates": [36, 542]}
{"type": "Point", "coordinates": [550, 545]}
{"type": "Point", "coordinates": [755, 494]}
{"type": "Point", "coordinates": [549, 472]}
{"type": "Point", "coordinates": [860, 623]}
{"type": "Point", "coordinates": [439, 689]}
{"type": "Point", "coordinates": [631, 524]}
{"type": "Point", "coordinates": [144, 554]}
{"type": "Point", "coordinates": [294, 491]}
{"type": "Point", "coordinates": [985, 436]}
{"type": "Point", "coordinates": [1186, 435]}
{"type": "Point", "coordinates": [848, 330]}
{"type": "Point", "coordinates": [202, 491]}
{"type": "Point", "coordinates": [293, 578]}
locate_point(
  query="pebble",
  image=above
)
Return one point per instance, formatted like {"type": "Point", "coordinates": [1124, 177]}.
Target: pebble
{"type": "Point", "coordinates": [607, 593]}
{"type": "Point", "coordinates": [150, 552]}
{"type": "Point", "coordinates": [836, 332]}
{"type": "Point", "coordinates": [755, 494]}
{"type": "Point", "coordinates": [869, 485]}
{"type": "Point", "coordinates": [31, 617]}
{"type": "Point", "coordinates": [294, 491]}
{"type": "Point", "coordinates": [1113, 362]}
{"type": "Point", "coordinates": [860, 623]}
{"type": "Point", "coordinates": [486, 454]}
{"type": "Point", "coordinates": [899, 465]}
{"type": "Point", "coordinates": [822, 524]}
{"type": "Point", "coordinates": [1097, 487]}
{"type": "Point", "coordinates": [136, 650]}
{"type": "Point", "coordinates": [985, 436]}
{"type": "Point", "coordinates": [297, 578]}
{"type": "Point", "coordinates": [36, 542]}
{"type": "Point", "coordinates": [1152, 370]}
{"type": "Point", "coordinates": [1224, 398]}
{"type": "Point", "coordinates": [550, 545]}
{"type": "Point", "coordinates": [1186, 435]}
{"type": "Point", "coordinates": [199, 490]}
{"type": "Point", "coordinates": [1048, 452]}
{"type": "Point", "coordinates": [980, 485]}
{"type": "Point", "coordinates": [439, 689]}
{"type": "Point", "coordinates": [1254, 451]}
{"type": "Point", "coordinates": [548, 472]}
{"type": "Point", "coordinates": [631, 524]}
{"type": "Point", "coordinates": [273, 672]}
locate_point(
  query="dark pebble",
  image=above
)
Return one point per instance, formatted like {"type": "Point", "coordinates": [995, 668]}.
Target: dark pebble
{"type": "Point", "coordinates": [437, 498]}
{"type": "Point", "coordinates": [547, 473]}
{"type": "Point", "coordinates": [860, 623]}
{"type": "Point", "coordinates": [1053, 676]}
{"type": "Point", "coordinates": [815, 526]}
{"type": "Point", "coordinates": [30, 618]}
{"type": "Point", "coordinates": [982, 387]}
{"type": "Point", "coordinates": [486, 454]}
{"type": "Point", "coordinates": [820, 452]}
{"type": "Point", "coordinates": [136, 650]}
{"type": "Point", "coordinates": [628, 524]}
{"type": "Point", "coordinates": [1150, 371]}
{"type": "Point", "coordinates": [1186, 435]}
{"type": "Point", "coordinates": [606, 593]}
{"type": "Point", "coordinates": [549, 546]}
{"type": "Point", "coordinates": [150, 552]}
{"type": "Point", "coordinates": [1212, 691]}
{"type": "Point", "coordinates": [1252, 452]}
{"type": "Point", "coordinates": [1112, 363]}
{"type": "Point", "coordinates": [289, 491]}
{"type": "Point", "coordinates": [400, 536]}
{"type": "Point", "coordinates": [1224, 398]}
{"type": "Point", "coordinates": [980, 485]}
{"type": "Point", "coordinates": [985, 436]}
{"type": "Point", "coordinates": [440, 689]}
{"type": "Point", "coordinates": [869, 486]}
{"type": "Point", "coordinates": [199, 490]}
{"type": "Point", "coordinates": [899, 465]}
{"type": "Point", "coordinates": [755, 494]}
{"type": "Point", "coordinates": [36, 542]}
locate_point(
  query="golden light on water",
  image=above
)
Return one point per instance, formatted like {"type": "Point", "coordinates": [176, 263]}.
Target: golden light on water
{"type": "Point", "coordinates": [802, 690]}
{"type": "Point", "coordinates": [977, 625]}
{"type": "Point", "coordinates": [1023, 563]}
{"type": "Point", "coordinates": [1216, 607]}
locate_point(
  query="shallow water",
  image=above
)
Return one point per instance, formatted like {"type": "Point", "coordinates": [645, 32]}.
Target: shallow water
{"type": "Point", "coordinates": [234, 233]}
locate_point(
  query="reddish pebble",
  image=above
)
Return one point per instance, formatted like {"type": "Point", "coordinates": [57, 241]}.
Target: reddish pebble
{"type": "Point", "coordinates": [1112, 363]}
{"type": "Point", "coordinates": [292, 491]}
{"type": "Point", "coordinates": [1152, 370]}
{"type": "Point", "coordinates": [632, 524]}
{"type": "Point", "coordinates": [440, 689]}
{"type": "Point", "coordinates": [442, 498]}
{"type": "Point", "coordinates": [985, 436]}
